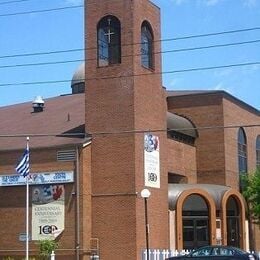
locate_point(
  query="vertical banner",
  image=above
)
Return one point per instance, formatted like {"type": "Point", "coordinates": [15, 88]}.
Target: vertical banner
{"type": "Point", "coordinates": [48, 211]}
{"type": "Point", "coordinates": [151, 161]}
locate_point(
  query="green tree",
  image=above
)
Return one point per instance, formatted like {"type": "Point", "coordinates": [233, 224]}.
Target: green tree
{"type": "Point", "coordinates": [46, 247]}
{"type": "Point", "coordinates": [252, 194]}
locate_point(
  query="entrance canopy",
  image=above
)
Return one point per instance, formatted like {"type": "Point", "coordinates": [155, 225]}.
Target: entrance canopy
{"type": "Point", "coordinates": [181, 124]}
{"type": "Point", "coordinates": [216, 192]}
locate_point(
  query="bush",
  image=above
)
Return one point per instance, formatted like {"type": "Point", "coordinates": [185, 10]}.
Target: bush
{"type": "Point", "coordinates": [46, 247]}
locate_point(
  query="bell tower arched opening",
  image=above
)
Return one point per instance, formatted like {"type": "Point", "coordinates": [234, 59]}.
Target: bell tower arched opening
{"type": "Point", "coordinates": [109, 41]}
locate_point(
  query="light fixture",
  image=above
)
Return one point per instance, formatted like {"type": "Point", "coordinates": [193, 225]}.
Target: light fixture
{"type": "Point", "coordinates": [145, 194]}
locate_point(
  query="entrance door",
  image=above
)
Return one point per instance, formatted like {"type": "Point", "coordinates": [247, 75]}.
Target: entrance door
{"type": "Point", "coordinates": [195, 232]}
{"type": "Point", "coordinates": [233, 223]}
{"type": "Point", "coordinates": [233, 231]}
{"type": "Point", "coordinates": [195, 219]}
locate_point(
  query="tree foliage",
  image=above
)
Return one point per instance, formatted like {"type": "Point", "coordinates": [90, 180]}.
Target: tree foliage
{"type": "Point", "coordinates": [252, 194]}
{"type": "Point", "coordinates": [46, 247]}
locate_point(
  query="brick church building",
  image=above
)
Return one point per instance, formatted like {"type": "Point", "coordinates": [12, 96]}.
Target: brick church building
{"type": "Point", "coordinates": [92, 152]}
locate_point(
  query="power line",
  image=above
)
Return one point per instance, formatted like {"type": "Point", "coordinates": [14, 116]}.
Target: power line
{"type": "Point", "coordinates": [41, 53]}
{"type": "Point", "coordinates": [134, 75]}
{"type": "Point", "coordinates": [128, 131]}
{"type": "Point", "coordinates": [36, 83]}
{"type": "Point", "coordinates": [82, 6]}
{"type": "Point", "coordinates": [14, 1]}
{"type": "Point", "coordinates": [123, 56]}
{"type": "Point", "coordinates": [214, 67]}
{"type": "Point", "coordinates": [213, 34]}
{"type": "Point", "coordinates": [40, 64]}
{"type": "Point", "coordinates": [213, 46]}
{"type": "Point", "coordinates": [172, 129]}
{"type": "Point", "coordinates": [178, 71]}
{"type": "Point", "coordinates": [162, 40]}
{"type": "Point", "coordinates": [43, 10]}
{"type": "Point", "coordinates": [167, 51]}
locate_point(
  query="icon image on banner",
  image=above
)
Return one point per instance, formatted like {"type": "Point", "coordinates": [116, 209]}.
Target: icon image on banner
{"type": "Point", "coordinates": [151, 143]}
{"type": "Point", "coordinates": [46, 193]}
{"type": "Point", "coordinates": [152, 177]}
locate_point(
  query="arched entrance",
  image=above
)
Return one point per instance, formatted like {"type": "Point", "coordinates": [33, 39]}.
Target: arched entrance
{"type": "Point", "coordinates": [194, 205]}
{"type": "Point", "coordinates": [233, 222]}
{"type": "Point", "coordinates": [233, 219]}
{"type": "Point", "coordinates": [195, 220]}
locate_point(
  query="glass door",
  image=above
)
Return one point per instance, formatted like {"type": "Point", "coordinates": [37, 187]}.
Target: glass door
{"type": "Point", "coordinates": [195, 232]}
{"type": "Point", "coordinates": [188, 233]}
{"type": "Point", "coordinates": [233, 223]}
{"type": "Point", "coordinates": [233, 231]}
{"type": "Point", "coordinates": [202, 232]}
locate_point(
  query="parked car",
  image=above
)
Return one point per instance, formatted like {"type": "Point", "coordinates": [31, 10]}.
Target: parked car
{"type": "Point", "coordinates": [217, 252]}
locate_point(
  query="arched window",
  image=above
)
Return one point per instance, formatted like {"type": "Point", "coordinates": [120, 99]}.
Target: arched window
{"type": "Point", "coordinates": [258, 152]}
{"type": "Point", "coordinates": [242, 151]}
{"type": "Point", "coordinates": [147, 46]}
{"type": "Point", "coordinates": [109, 41]}
{"type": "Point", "coordinates": [242, 156]}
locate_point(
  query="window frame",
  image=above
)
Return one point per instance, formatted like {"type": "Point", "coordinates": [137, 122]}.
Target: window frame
{"type": "Point", "coordinates": [242, 157]}
{"type": "Point", "coordinates": [257, 150]}
{"type": "Point", "coordinates": [242, 151]}
{"type": "Point", "coordinates": [147, 46]}
{"type": "Point", "coordinates": [109, 50]}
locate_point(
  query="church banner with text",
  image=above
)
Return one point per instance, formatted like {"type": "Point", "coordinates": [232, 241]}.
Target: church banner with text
{"type": "Point", "coordinates": [48, 211]}
{"type": "Point", "coordinates": [151, 161]}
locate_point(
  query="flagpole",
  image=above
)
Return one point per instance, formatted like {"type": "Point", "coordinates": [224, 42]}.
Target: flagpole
{"type": "Point", "coordinates": [27, 209]}
{"type": "Point", "coordinates": [23, 168]}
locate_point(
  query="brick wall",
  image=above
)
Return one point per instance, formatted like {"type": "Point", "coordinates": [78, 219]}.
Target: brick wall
{"type": "Point", "coordinates": [182, 160]}
{"type": "Point", "coordinates": [217, 149]}
{"type": "Point", "coordinates": [235, 115]}
{"type": "Point", "coordinates": [12, 203]}
{"type": "Point", "coordinates": [205, 111]}
{"type": "Point", "coordinates": [119, 104]}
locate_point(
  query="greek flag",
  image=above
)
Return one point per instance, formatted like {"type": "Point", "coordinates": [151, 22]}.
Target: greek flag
{"type": "Point", "coordinates": [23, 166]}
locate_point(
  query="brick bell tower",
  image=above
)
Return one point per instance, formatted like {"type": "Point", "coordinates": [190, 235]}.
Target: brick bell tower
{"type": "Point", "coordinates": [125, 101]}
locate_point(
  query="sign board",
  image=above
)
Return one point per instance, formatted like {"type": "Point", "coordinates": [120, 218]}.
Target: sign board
{"type": "Point", "coordinates": [151, 161]}
{"type": "Point", "coordinates": [22, 237]}
{"type": "Point", "coordinates": [48, 211]}
{"type": "Point", "coordinates": [38, 178]}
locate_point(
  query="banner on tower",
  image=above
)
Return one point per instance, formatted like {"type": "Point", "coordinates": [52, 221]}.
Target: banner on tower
{"type": "Point", "coordinates": [151, 161]}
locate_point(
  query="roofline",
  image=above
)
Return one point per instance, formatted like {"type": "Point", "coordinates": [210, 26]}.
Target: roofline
{"type": "Point", "coordinates": [226, 95]}
{"type": "Point", "coordinates": [155, 5]}
{"type": "Point", "coordinates": [85, 142]}
{"type": "Point", "coordinates": [45, 100]}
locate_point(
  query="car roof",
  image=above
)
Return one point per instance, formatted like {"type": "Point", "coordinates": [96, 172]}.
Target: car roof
{"type": "Point", "coordinates": [222, 246]}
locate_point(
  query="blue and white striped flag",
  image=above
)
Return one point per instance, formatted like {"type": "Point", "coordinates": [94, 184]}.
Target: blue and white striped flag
{"type": "Point", "coordinates": [23, 167]}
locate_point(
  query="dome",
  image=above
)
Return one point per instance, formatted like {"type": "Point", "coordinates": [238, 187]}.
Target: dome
{"type": "Point", "coordinates": [78, 79]}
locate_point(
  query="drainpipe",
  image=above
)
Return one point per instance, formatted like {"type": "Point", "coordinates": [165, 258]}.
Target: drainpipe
{"type": "Point", "coordinates": [77, 205]}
